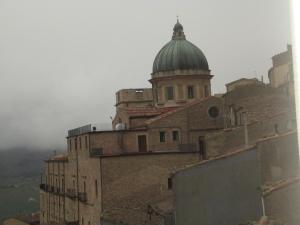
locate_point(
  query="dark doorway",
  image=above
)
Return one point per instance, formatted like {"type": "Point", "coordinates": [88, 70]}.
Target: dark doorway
{"type": "Point", "coordinates": [202, 149]}
{"type": "Point", "coordinates": [142, 141]}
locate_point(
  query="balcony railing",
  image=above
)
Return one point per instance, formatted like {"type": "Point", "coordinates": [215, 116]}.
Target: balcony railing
{"type": "Point", "coordinates": [43, 187]}
{"type": "Point", "coordinates": [94, 152]}
{"type": "Point", "coordinates": [71, 193]}
{"type": "Point", "coordinates": [82, 196]}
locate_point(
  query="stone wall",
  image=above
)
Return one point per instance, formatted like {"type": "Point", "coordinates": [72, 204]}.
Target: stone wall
{"type": "Point", "coordinates": [190, 121]}
{"type": "Point", "coordinates": [229, 139]}
{"type": "Point", "coordinates": [131, 183]}
{"type": "Point", "coordinates": [52, 199]}
{"type": "Point", "coordinates": [279, 157]}
{"type": "Point", "coordinates": [134, 97]}
{"type": "Point", "coordinates": [283, 204]}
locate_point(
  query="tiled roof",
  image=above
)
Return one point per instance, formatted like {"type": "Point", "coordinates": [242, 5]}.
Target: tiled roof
{"type": "Point", "coordinates": [268, 189]}
{"type": "Point", "coordinates": [148, 111]}
{"type": "Point", "coordinates": [223, 156]}
{"type": "Point", "coordinates": [170, 112]}
{"type": "Point", "coordinates": [235, 151]}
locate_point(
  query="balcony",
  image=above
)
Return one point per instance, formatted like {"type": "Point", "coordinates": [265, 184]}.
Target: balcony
{"type": "Point", "coordinates": [82, 196]}
{"type": "Point", "coordinates": [71, 193]}
{"type": "Point", "coordinates": [94, 152]}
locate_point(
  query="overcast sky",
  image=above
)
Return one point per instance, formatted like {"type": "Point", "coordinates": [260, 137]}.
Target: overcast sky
{"type": "Point", "coordinates": [61, 61]}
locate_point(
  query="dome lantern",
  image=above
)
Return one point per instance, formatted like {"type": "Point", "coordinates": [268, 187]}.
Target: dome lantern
{"type": "Point", "coordinates": [178, 31]}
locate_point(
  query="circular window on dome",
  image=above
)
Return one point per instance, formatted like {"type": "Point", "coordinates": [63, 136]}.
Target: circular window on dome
{"type": "Point", "coordinates": [213, 112]}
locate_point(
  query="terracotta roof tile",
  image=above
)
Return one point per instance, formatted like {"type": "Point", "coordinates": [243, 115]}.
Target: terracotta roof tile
{"type": "Point", "coordinates": [148, 111]}
{"type": "Point", "coordinates": [170, 112]}
{"type": "Point", "coordinates": [268, 189]}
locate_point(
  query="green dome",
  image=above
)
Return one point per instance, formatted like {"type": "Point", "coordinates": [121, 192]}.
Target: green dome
{"type": "Point", "coordinates": [179, 54]}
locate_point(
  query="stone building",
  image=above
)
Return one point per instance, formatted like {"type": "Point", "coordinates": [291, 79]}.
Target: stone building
{"type": "Point", "coordinates": [281, 74]}
{"type": "Point", "coordinates": [238, 184]}
{"type": "Point", "coordinates": [120, 175]}
{"type": "Point", "coordinates": [26, 219]}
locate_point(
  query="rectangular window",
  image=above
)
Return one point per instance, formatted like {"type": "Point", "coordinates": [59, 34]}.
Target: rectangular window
{"type": "Point", "coordinates": [79, 142]}
{"type": "Point", "coordinates": [169, 93]}
{"type": "Point", "coordinates": [206, 91]}
{"type": "Point", "coordinates": [70, 144]}
{"type": "Point", "coordinates": [86, 142]}
{"type": "Point", "coordinates": [175, 135]}
{"type": "Point", "coordinates": [75, 143]}
{"type": "Point", "coordinates": [169, 183]}
{"type": "Point", "coordinates": [162, 136]}
{"type": "Point", "coordinates": [96, 188]}
{"type": "Point", "coordinates": [190, 92]}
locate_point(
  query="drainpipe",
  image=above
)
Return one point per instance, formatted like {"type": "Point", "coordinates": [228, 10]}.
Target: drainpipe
{"type": "Point", "coordinates": [263, 205]}
{"type": "Point", "coordinates": [245, 118]}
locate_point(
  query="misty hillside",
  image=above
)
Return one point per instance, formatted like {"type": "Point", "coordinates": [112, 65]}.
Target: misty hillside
{"type": "Point", "coordinates": [20, 171]}
{"type": "Point", "coordinates": [22, 163]}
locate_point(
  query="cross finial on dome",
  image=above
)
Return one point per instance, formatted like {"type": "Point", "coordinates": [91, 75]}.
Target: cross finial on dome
{"type": "Point", "coordinates": [178, 30]}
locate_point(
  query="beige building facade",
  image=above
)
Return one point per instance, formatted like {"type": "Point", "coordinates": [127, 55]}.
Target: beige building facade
{"type": "Point", "coordinates": [119, 175]}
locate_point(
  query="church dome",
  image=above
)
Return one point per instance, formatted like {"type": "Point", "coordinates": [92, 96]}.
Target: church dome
{"type": "Point", "coordinates": [179, 54]}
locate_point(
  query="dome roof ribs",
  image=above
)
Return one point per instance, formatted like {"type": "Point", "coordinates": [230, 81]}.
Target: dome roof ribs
{"type": "Point", "coordinates": [179, 54]}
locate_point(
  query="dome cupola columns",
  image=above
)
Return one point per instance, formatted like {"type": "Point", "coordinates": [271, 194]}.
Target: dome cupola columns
{"type": "Point", "coordinates": [180, 72]}
{"type": "Point", "coordinates": [178, 31]}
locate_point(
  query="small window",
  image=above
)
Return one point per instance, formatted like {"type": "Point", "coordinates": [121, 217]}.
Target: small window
{"type": "Point", "coordinates": [276, 128]}
{"type": "Point", "coordinates": [175, 135]}
{"type": "Point", "coordinates": [79, 142]}
{"type": "Point", "coordinates": [86, 142]}
{"type": "Point", "coordinates": [190, 92]}
{"type": "Point", "coordinates": [162, 136]}
{"type": "Point", "coordinates": [169, 93]}
{"type": "Point", "coordinates": [70, 144]}
{"type": "Point", "coordinates": [96, 188]}
{"type": "Point", "coordinates": [170, 183]}
{"type": "Point", "coordinates": [75, 143]}
{"type": "Point", "coordinates": [206, 91]}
